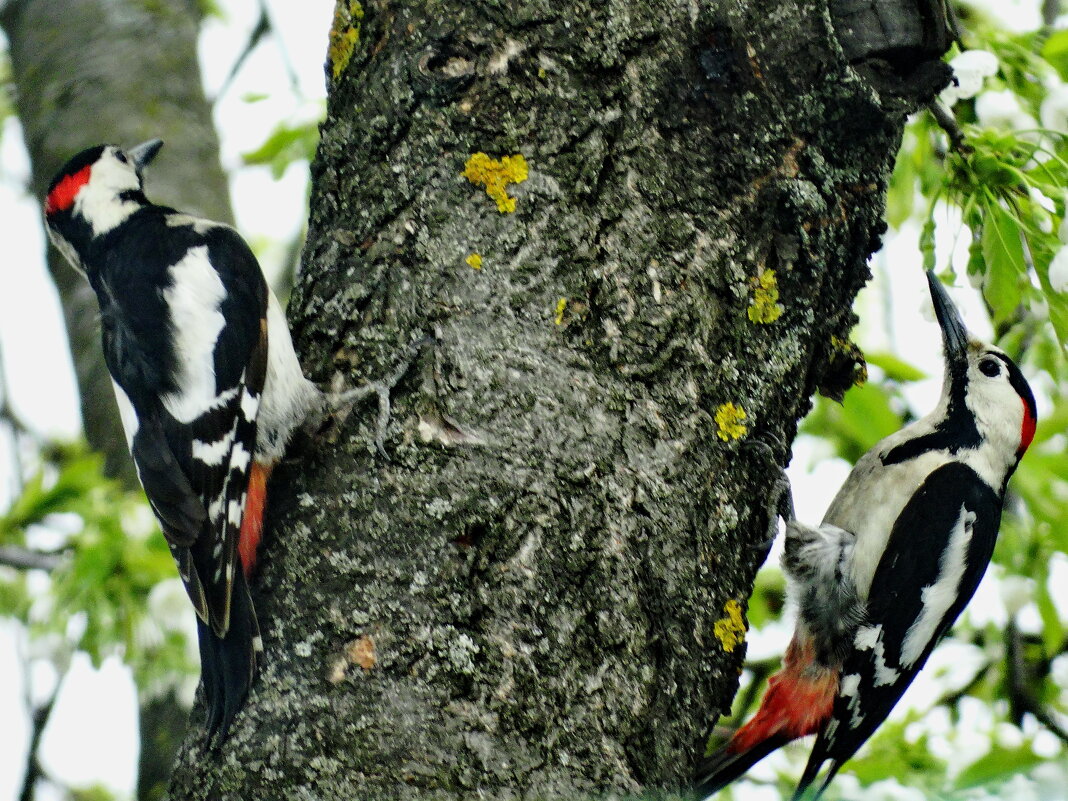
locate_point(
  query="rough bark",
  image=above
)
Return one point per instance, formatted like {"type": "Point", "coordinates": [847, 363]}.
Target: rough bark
{"type": "Point", "coordinates": [522, 601]}
{"type": "Point", "coordinates": [117, 71]}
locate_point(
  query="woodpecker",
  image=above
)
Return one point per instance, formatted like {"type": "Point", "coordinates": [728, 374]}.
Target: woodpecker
{"type": "Point", "coordinates": [208, 386]}
{"type": "Point", "coordinates": [894, 562]}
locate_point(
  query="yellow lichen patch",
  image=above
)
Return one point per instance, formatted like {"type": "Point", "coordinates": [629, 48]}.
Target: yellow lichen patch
{"type": "Point", "coordinates": [561, 305]}
{"type": "Point", "coordinates": [475, 261]}
{"type": "Point", "coordinates": [730, 630]}
{"type": "Point", "coordinates": [765, 307]}
{"type": "Point", "coordinates": [729, 422]}
{"type": "Point", "coordinates": [496, 175]}
{"type": "Point", "coordinates": [344, 34]}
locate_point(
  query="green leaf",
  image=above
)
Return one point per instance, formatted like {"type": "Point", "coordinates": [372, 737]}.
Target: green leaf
{"type": "Point", "coordinates": [999, 764]}
{"type": "Point", "coordinates": [927, 241]}
{"type": "Point", "coordinates": [864, 418]}
{"type": "Point", "coordinates": [1055, 51]}
{"type": "Point", "coordinates": [766, 602]}
{"type": "Point", "coordinates": [1006, 267]}
{"type": "Point", "coordinates": [1052, 627]}
{"type": "Point", "coordinates": [896, 369]}
{"type": "Point", "coordinates": [286, 144]}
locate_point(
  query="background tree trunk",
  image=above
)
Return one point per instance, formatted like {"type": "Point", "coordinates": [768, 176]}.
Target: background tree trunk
{"type": "Point", "coordinates": [532, 596]}
{"type": "Point", "coordinates": [122, 72]}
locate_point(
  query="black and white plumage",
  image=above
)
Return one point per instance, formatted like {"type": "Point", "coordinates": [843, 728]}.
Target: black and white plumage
{"type": "Point", "coordinates": [207, 381]}
{"type": "Point", "coordinates": [899, 554]}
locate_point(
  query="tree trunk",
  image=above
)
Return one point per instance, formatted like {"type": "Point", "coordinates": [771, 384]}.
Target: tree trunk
{"type": "Point", "coordinates": [534, 595]}
{"type": "Point", "coordinates": [122, 72]}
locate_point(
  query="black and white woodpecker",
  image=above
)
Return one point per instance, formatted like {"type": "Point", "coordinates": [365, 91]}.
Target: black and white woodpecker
{"type": "Point", "coordinates": [897, 557]}
{"type": "Point", "coordinates": [207, 381]}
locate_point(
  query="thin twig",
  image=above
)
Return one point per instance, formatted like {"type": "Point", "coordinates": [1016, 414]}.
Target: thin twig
{"type": "Point", "coordinates": [1051, 9]}
{"type": "Point", "coordinates": [1021, 699]}
{"type": "Point", "coordinates": [27, 559]}
{"type": "Point", "coordinates": [948, 123]}
{"type": "Point", "coordinates": [41, 716]}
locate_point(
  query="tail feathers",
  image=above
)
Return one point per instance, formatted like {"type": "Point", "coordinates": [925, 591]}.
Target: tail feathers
{"type": "Point", "coordinates": [727, 764]}
{"type": "Point", "coordinates": [812, 769]}
{"type": "Point", "coordinates": [228, 663]}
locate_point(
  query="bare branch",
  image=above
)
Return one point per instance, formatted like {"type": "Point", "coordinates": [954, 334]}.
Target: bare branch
{"type": "Point", "coordinates": [27, 559]}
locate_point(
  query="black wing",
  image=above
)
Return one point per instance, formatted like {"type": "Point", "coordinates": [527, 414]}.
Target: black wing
{"type": "Point", "coordinates": [194, 471]}
{"type": "Point", "coordinates": [937, 553]}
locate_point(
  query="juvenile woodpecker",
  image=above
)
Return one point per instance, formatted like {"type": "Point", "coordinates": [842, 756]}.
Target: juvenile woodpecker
{"type": "Point", "coordinates": [897, 557]}
{"type": "Point", "coordinates": [207, 382]}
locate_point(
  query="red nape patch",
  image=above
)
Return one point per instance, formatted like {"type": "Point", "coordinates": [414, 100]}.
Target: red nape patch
{"type": "Point", "coordinates": [1027, 430]}
{"type": "Point", "coordinates": [799, 699]}
{"type": "Point", "coordinates": [62, 197]}
{"type": "Point", "coordinates": [248, 542]}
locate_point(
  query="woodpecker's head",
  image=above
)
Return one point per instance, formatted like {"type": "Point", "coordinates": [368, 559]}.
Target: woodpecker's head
{"type": "Point", "coordinates": [96, 191]}
{"type": "Point", "coordinates": [982, 382]}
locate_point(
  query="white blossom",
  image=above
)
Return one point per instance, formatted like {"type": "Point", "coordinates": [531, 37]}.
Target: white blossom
{"type": "Point", "coordinates": [970, 69]}
{"type": "Point", "coordinates": [1054, 109]}
{"type": "Point", "coordinates": [1001, 109]}
{"type": "Point", "coordinates": [1017, 592]}
{"type": "Point", "coordinates": [1058, 271]}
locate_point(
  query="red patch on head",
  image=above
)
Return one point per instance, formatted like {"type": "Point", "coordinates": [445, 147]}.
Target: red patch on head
{"type": "Point", "coordinates": [1027, 429]}
{"type": "Point", "coordinates": [62, 197]}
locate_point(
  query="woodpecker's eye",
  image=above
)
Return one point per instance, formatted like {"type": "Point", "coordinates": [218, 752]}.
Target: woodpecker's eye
{"type": "Point", "coordinates": [120, 156]}
{"type": "Point", "coordinates": [990, 367]}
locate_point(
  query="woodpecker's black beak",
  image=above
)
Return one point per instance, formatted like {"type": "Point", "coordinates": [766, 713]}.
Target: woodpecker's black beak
{"type": "Point", "coordinates": [144, 153]}
{"type": "Point", "coordinates": [954, 334]}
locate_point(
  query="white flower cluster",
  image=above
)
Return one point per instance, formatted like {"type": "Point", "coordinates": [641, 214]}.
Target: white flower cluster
{"type": "Point", "coordinates": [970, 69]}
{"type": "Point", "coordinates": [1058, 266]}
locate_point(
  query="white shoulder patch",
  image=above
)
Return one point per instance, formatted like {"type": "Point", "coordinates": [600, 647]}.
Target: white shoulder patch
{"type": "Point", "coordinates": [870, 638]}
{"type": "Point", "coordinates": [193, 302]}
{"type": "Point", "coordinates": [938, 597]}
{"type": "Point", "coordinates": [130, 423]}
{"type": "Point", "coordinates": [198, 224]}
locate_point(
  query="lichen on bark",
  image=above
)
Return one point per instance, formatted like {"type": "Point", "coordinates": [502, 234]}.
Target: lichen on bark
{"type": "Point", "coordinates": [543, 559]}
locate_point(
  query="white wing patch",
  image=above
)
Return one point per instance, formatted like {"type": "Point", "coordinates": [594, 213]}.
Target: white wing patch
{"type": "Point", "coordinates": [213, 453]}
{"type": "Point", "coordinates": [240, 458]}
{"type": "Point", "coordinates": [250, 404]}
{"type": "Point", "coordinates": [193, 301]}
{"type": "Point", "coordinates": [198, 224]}
{"type": "Point", "coordinates": [127, 414]}
{"type": "Point", "coordinates": [870, 638]}
{"type": "Point", "coordinates": [938, 597]}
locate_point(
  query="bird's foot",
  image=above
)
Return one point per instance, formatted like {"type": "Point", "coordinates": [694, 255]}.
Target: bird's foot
{"type": "Point", "coordinates": [340, 400]}
{"type": "Point", "coordinates": [780, 497]}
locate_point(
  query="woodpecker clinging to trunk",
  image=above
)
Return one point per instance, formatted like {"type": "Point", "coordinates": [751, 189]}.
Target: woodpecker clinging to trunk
{"type": "Point", "coordinates": [207, 382]}
{"type": "Point", "coordinates": [896, 559]}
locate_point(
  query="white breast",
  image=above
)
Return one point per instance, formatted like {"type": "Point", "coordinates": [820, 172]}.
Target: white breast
{"type": "Point", "coordinates": [871, 500]}
{"type": "Point", "coordinates": [288, 397]}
